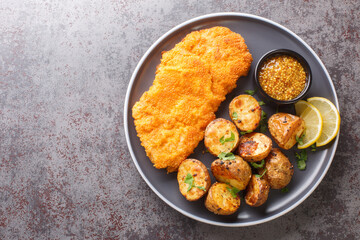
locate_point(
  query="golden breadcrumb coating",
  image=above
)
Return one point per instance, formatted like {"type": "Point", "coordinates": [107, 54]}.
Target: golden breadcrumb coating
{"type": "Point", "coordinates": [191, 81]}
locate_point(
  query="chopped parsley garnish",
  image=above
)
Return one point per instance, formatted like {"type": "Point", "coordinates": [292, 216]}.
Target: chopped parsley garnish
{"type": "Point", "coordinates": [260, 176]}
{"type": "Point", "coordinates": [263, 122]}
{"type": "Point", "coordinates": [300, 139]}
{"type": "Point", "coordinates": [248, 131]}
{"type": "Point", "coordinates": [261, 103]}
{"type": "Point", "coordinates": [226, 156]}
{"type": "Point", "coordinates": [301, 159]}
{"type": "Point", "coordinates": [301, 165]}
{"type": "Point", "coordinates": [233, 191]}
{"type": "Point", "coordinates": [190, 181]}
{"type": "Point", "coordinates": [223, 140]}
{"type": "Point", "coordinates": [234, 116]}
{"type": "Point", "coordinates": [258, 165]}
{"type": "Point", "coordinates": [285, 190]}
{"type": "Point", "coordinates": [313, 147]}
{"type": "Point", "coordinates": [250, 92]}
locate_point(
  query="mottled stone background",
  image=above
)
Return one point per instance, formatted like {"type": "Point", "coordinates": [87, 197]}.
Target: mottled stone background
{"type": "Point", "coordinates": [65, 170]}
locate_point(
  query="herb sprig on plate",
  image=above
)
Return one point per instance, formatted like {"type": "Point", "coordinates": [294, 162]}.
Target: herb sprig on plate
{"type": "Point", "coordinates": [301, 159]}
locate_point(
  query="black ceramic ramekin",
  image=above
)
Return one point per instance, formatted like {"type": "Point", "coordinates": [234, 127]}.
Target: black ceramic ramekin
{"type": "Point", "coordinates": [298, 57]}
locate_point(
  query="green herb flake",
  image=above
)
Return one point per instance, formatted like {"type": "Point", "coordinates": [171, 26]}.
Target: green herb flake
{"type": "Point", "coordinates": [260, 176]}
{"type": "Point", "coordinates": [233, 191]}
{"type": "Point", "coordinates": [201, 188]}
{"type": "Point", "coordinates": [301, 165]}
{"type": "Point", "coordinates": [223, 140]}
{"type": "Point", "coordinates": [261, 103]}
{"type": "Point", "coordinates": [313, 147]}
{"type": "Point", "coordinates": [263, 115]}
{"type": "Point", "coordinates": [234, 116]}
{"type": "Point", "coordinates": [263, 124]}
{"type": "Point", "coordinates": [300, 139]}
{"type": "Point", "coordinates": [226, 156]}
{"type": "Point", "coordinates": [285, 190]}
{"type": "Point", "coordinates": [190, 181]}
{"type": "Point", "coordinates": [250, 92]}
{"type": "Point", "coordinates": [246, 132]}
{"type": "Point", "coordinates": [258, 165]}
{"type": "Point", "coordinates": [301, 159]}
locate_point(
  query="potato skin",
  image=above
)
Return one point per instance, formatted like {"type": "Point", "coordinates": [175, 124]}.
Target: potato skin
{"type": "Point", "coordinates": [217, 129]}
{"type": "Point", "coordinates": [248, 112]}
{"type": "Point", "coordinates": [279, 169]}
{"type": "Point", "coordinates": [254, 147]}
{"type": "Point", "coordinates": [201, 178]}
{"type": "Point", "coordinates": [220, 201]}
{"type": "Point", "coordinates": [236, 172]}
{"type": "Point", "coordinates": [284, 128]}
{"type": "Point", "coordinates": [257, 191]}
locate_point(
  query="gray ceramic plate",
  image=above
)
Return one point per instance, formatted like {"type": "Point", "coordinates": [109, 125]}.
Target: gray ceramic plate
{"type": "Point", "coordinates": [261, 35]}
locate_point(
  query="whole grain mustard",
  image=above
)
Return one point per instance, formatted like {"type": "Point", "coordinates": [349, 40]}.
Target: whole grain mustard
{"type": "Point", "coordinates": [282, 77]}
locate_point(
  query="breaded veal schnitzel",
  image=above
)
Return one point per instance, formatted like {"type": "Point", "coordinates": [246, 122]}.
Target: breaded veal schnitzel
{"type": "Point", "coordinates": [191, 81]}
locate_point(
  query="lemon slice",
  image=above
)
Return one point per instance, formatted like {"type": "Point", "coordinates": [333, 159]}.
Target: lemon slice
{"type": "Point", "coordinates": [331, 119]}
{"type": "Point", "coordinates": [313, 123]}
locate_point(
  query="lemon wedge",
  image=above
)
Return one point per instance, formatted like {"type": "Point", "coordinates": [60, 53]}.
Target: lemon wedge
{"type": "Point", "coordinates": [313, 123]}
{"type": "Point", "coordinates": [331, 119]}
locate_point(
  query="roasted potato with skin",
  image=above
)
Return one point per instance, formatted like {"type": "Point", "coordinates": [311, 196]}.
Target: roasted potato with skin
{"type": "Point", "coordinates": [235, 172]}
{"type": "Point", "coordinates": [200, 178]}
{"type": "Point", "coordinates": [284, 128]}
{"type": "Point", "coordinates": [221, 135]}
{"type": "Point", "coordinates": [254, 147]}
{"type": "Point", "coordinates": [220, 201]}
{"type": "Point", "coordinates": [279, 169]}
{"type": "Point", "coordinates": [245, 112]}
{"type": "Point", "coordinates": [257, 191]}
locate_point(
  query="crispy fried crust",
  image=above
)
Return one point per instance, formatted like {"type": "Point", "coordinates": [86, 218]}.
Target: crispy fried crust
{"type": "Point", "coordinates": [284, 128]}
{"type": "Point", "coordinates": [257, 191]}
{"type": "Point", "coordinates": [190, 83]}
{"type": "Point", "coordinates": [235, 172]}
{"type": "Point", "coordinates": [200, 175]}
{"type": "Point", "coordinates": [220, 201]}
{"type": "Point", "coordinates": [254, 147]}
{"type": "Point", "coordinates": [218, 129]}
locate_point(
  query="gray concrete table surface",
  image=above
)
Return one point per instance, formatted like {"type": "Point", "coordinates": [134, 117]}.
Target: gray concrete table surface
{"type": "Point", "coordinates": [65, 170]}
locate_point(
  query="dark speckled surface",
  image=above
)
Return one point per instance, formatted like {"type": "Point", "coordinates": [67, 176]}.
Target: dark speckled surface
{"type": "Point", "coordinates": [65, 170]}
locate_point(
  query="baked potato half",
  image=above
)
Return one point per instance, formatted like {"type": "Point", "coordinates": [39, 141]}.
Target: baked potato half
{"type": "Point", "coordinates": [235, 172]}
{"type": "Point", "coordinates": [284, 128]}
{"type": "Point", "coordinates": [279, 169]}
{"type": "Point", "coordinates": [193, 178]}
{"type": "Point", "coordinates": [220, 200]}
{"type": "Point", "coordinates": [221, 135]}
{"type": "Point", "coordinates": [245, 112]}
{"type": "Point", "coordinates": [254, 147]}
{"type": "Point", "coordinates": [257, 191]}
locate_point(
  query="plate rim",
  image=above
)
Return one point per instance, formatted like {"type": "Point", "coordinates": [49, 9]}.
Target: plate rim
{"type": "Point", "coordinates": [126, 126]}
